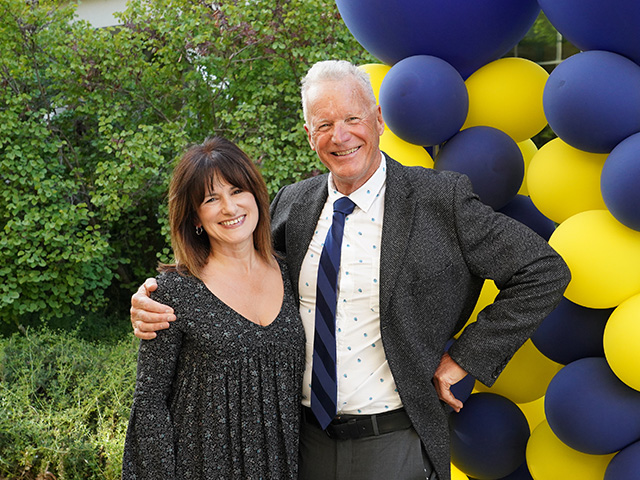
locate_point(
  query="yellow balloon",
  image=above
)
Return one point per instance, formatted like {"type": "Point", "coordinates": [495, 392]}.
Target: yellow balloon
{"type": "Point", "coordinates": [622, 341]}
{"type": "Point", "coordinates": [526, 376]}
{"type": "Point", "coordinates": [603, 256]}
{"type": "Point", "coordinates": [376, 72]}
{"type": "Point", "coordinates": [507, 94]}
{"type": "Point", "coordinates": [457, 474]}
{"type": "Point", "coordinates": [563, 180]}
{"type": "Point", "coordinates": [550, 459]}
{"type": "Point", "coordinates": [487, 295]}
{"type": "Point", "coordinates": [534, 412]}
{"type": "Point", "coordinates": [406, 153]}
{"type": "Point", "coordinates": [528, 150]}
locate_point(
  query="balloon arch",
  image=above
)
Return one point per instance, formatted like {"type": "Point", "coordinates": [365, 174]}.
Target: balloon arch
{"type": "Point", "coordinates": [568, 404]}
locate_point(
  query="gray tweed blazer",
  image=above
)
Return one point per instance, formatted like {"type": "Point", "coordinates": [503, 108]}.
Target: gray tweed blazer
{"type": "Point", "coordinates": [439, 243]}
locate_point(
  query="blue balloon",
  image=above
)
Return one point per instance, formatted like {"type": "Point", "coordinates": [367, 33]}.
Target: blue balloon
{"type": "Point", "coordinates": [488, 437]}
{"type": "Point", "coordinates": [620, 182]}
{"type": "Point", "coordinates": [490, 158]}
{"type": "Point", "coordinates": [521, 473]}
{"type": "Point", "coordinates": [571, 332]}
{"type": "Point", "coordinates": [466, 33]}
{"type": "Point", "coordinates": [590, 409]}
{"type": "Point", "coordinates": [521, 208]}
{"type": "Point", "coordinates": [625, 465]}
{"type": "Point", "coordinates": [424, 100]}
{"type": "Point", "coordinates": [597, 25]}
{"type": "Point", "coordinates": [592, 100]}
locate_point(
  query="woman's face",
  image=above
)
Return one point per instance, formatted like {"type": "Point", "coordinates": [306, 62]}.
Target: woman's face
{"type": "Point", "coordinates": [228, 214]}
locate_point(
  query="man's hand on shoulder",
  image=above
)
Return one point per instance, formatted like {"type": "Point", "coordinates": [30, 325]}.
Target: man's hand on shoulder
{"type": "Point", "coordinates": [147, 315]}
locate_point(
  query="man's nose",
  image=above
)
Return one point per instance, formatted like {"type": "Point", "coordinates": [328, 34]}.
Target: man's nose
{"type": "Point", "coordinates": [341, 133]}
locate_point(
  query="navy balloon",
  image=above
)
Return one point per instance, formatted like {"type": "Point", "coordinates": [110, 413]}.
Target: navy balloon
{"type": "Point", "coordinates": [597, 25]}
{"type": "Point", "coordinates": [465, 33]}
{"type": "Point", "coordinates": [521, 473]}
{"type": "Point", "coordinates": [490, 158]}
{"type": "Point", "coordinates": [590, 409]}
{"type": "Point", "coordinates": [571, 332]}
{"type": "Point", "coordinates": [488, 436]}
{"type": "Point", "coordinates": [424, 100]}
{"type": "Point", "coordinates": [620, 182]}
{"type": "Point", "coordinates": [521, 208]}
{"type": "Point", "coordinates": [592, 100]}
{"type": "Point", "coordinates": [625, 465]}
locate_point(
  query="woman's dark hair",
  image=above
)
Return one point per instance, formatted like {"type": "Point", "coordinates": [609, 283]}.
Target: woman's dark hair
{"type": "Point", "coordinates": [198, 169]}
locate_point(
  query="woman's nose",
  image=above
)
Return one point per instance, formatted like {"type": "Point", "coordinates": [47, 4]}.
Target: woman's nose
{"type": "Point", "coordinates": [228, 205]}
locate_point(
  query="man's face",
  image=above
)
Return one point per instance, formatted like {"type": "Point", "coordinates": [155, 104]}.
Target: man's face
{"type": "Point", "coordinates": [344, 129]}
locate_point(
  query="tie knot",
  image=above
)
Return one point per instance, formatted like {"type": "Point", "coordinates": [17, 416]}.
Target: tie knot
{"type": "Point", "coordinates": [344, 205]}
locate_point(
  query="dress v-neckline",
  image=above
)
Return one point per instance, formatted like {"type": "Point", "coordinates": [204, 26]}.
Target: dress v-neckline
{"type": "Point", "coordinates": [229, 307]}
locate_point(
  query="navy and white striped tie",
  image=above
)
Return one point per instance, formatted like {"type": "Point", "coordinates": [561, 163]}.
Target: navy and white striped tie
{"type": "Point", "coordinates": [324, 390]}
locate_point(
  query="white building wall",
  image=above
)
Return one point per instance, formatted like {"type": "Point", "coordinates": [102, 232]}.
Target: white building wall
{"type": "Point", "coordinates": [100, 12]}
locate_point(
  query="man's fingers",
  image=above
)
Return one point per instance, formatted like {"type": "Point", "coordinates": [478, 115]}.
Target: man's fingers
{"type": "Point", "coordinates": [451, 400]}
{"type": "Point", "coordinates": [145, 327]}
{"type": "Point", "coordinates": [150, 285]}
{"type": "Point", "coordinates": [144, 335]}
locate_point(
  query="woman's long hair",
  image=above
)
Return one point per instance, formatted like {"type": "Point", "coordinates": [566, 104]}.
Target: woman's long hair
{"type": "Point", "coordinates": [198, 169]}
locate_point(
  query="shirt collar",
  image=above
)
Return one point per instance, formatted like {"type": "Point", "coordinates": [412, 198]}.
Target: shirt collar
{"type": "Point", "coordinates": [367, 193]}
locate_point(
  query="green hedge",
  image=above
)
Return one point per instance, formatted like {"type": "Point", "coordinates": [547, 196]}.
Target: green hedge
{"type": "Point", "coordinates": [91, 121]}
{"type": "Point", "coordinates": [64, 405]}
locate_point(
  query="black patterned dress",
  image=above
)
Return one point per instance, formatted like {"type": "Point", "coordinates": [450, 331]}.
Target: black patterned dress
{"type": "Point", "coordinates": [217, 396]}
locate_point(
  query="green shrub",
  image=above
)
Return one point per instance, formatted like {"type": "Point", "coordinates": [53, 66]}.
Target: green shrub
{"type": "Point", "coordinates": [91, 121]}
{"type": "Point", "coordinates": [64, 406]}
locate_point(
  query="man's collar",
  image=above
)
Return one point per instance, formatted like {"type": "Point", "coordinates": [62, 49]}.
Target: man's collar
{"type": "Point", "coordinates": [367, 193]}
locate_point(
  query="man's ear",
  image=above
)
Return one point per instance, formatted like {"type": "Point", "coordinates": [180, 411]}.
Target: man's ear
{"type": "Point", "coordinates": [309, 138]}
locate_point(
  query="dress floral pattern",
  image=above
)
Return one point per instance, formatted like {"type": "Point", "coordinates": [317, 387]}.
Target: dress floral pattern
{"type": "Point", "coordinates": [217, 396]}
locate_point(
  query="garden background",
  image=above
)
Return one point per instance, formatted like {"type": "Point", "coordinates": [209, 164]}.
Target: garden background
{"type": "Point", "coordinates": [91, 123]}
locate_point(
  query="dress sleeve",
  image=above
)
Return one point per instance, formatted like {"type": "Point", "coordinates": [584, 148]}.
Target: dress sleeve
{"type": "Point", "coordinates": [149, 444]}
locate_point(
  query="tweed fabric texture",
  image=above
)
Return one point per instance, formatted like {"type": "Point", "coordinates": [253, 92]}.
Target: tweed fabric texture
{"type": "Point", "coordinates": [439, 244]}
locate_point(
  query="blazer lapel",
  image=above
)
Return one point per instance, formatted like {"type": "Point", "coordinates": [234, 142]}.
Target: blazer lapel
{"type": "Point", "coordinates": [301, 223]}
{"type": "Point", "coordinates": [399, 209]}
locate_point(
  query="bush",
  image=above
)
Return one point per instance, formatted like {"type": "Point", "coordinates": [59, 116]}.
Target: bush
{"type": "Point", "coordinates": [91, 121]}
{"type": "Point", "coordinates": [64, 406]}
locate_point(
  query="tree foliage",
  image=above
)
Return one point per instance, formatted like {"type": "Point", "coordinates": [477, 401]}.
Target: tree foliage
{"type": "Point", "coordinates": [92, 120]}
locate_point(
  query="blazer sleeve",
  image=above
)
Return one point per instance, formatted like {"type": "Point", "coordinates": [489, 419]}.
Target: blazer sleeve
{"type": "Point", "coordinates": [278, 222]}
{"type": "Point", "coordinates": [530, 275]}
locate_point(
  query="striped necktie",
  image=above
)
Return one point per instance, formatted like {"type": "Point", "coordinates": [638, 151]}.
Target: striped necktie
{"type": "Point", "coordinates": [324, 389]}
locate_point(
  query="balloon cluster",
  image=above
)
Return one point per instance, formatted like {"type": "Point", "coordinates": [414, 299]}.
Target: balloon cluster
{"type": "Point", "coordinates": [568, 403]}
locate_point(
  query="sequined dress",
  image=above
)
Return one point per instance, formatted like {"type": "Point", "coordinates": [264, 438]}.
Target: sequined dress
{"type": "Point", "coordinates": [217, 396]}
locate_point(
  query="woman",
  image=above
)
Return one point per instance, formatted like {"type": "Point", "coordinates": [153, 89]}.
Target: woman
{"type": "Point", "coordinates": [218, 393]}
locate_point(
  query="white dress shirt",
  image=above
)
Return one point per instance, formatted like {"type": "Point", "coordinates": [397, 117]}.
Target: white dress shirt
{"type": "Point", "coordinates": [365, 383]}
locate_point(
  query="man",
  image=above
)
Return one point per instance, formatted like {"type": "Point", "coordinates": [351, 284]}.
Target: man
{"type": "Point", "coordinates": [415, 253]}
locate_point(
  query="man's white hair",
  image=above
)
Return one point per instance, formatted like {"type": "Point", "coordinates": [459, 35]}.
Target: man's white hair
{"type": "Point", "coordinates": [335, 71]}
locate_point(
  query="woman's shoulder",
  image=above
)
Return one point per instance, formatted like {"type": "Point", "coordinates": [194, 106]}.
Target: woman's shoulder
{"type": "Point", "coordinates": [174, 286]}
